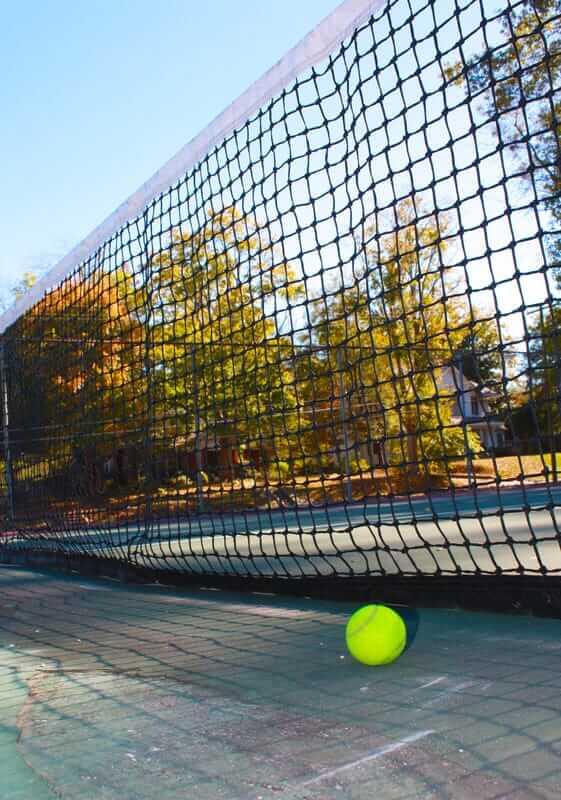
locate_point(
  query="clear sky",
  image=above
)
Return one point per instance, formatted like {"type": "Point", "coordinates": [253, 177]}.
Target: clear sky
{"type": "Point", "coordinates": [95, 97]}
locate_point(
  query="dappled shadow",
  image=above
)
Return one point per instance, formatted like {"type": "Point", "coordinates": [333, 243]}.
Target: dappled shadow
{"type": "Point", "coordinates": [207, 695]}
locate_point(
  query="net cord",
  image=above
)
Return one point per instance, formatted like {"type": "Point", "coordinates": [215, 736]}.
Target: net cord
{"type": "Point", "coordinates": [318, 44]}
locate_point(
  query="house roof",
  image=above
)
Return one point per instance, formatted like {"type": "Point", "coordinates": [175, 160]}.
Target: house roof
{"type": "Point", "coordinates": [457, 380]}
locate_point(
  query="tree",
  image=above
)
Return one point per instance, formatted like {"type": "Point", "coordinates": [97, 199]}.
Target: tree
{"type": "Point", "coordinates": [337, 378]}
{"type": "Point", "coordinates": [517, 85]}
{"type": "Point", "coordinates": [400, 320]}
{"type": "Point", "coordinates": [28, 280]}
{"type": "Point", "coordinates": [482, 352]}
{"type": "Point", "coordinates": [544, 372]}
{"type": "Point", "coordinates": [221, 364]}
{"type": "Point", "coordinates": [17, 291]}
{"type": "Point", "coordinates": [420, 313]}
{"type": "Point", "coordinates": [75, 366]}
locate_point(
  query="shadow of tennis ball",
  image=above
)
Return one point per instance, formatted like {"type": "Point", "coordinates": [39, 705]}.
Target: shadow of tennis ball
{"type": "Point", "coordinates": [411, 618]}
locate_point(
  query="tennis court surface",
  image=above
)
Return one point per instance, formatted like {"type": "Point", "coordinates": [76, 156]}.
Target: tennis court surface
{"type": "Point", "coordinates": [110, 691]}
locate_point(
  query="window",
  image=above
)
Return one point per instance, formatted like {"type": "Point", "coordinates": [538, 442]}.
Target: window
{"type": "Point", "coordinates": [474, 406]}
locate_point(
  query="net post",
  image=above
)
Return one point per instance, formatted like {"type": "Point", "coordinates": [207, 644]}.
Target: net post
{"type": "Point", "coordinates": [343, 416]}
{"type": "Point", "coordinates": [5, 432]}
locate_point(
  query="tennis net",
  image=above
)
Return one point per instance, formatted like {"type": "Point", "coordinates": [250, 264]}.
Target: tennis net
{"type": "Point", "coordinates": [323, 341]}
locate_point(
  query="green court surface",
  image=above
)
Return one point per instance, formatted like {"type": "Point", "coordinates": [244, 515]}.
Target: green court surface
{"type": "Point", "coordinates": [111, 691]}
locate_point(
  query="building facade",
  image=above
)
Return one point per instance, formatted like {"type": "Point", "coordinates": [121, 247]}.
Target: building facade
{"type": "Point", "coordinates": [472, 406]}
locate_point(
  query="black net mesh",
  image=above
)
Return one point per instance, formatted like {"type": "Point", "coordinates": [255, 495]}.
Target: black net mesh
{"type": "Point", "coordinates": [332, 348]}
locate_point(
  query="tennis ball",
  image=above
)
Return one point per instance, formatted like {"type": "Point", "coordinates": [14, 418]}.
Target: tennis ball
{"type": "Point", "coordinates": [376, 635]}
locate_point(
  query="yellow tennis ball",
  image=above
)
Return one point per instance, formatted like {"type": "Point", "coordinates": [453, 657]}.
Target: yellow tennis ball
{"type": "Point", "coordinates": [376, 635]}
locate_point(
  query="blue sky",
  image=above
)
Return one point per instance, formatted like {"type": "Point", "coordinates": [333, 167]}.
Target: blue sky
{"type": "Point", "coordinates": [96, 97]}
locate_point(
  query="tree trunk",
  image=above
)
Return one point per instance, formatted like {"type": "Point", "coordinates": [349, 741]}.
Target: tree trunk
{"type": "Point", "coordinates": [411, 436]}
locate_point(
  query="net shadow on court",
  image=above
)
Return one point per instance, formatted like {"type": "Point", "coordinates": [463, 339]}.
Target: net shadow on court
{"type": "Point", "coordinates": [115, 691]}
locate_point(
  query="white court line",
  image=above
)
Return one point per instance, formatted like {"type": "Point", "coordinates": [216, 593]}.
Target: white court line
{"type": "Point", "coordinates": [382, 751]}
{"type": "Point", "coordinates": [432, 683]}
{"type": "Point", "coordinates": [91, 587]}
{"type": "Point", "coordinates": [447, 694]}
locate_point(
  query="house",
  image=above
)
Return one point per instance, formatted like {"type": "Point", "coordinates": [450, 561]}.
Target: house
{"type": "Point", "coordinates": [214, 449]}
{"type": "Point", "coordinates": [472, 407]}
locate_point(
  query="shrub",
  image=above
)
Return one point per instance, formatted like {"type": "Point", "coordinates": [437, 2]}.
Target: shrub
{"type": "Point", "coordinates": [359, 465]}
{"type": "Point", "coordinates": [182, 481]}
{"type": "Point", "coordinates": [279, 471]}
